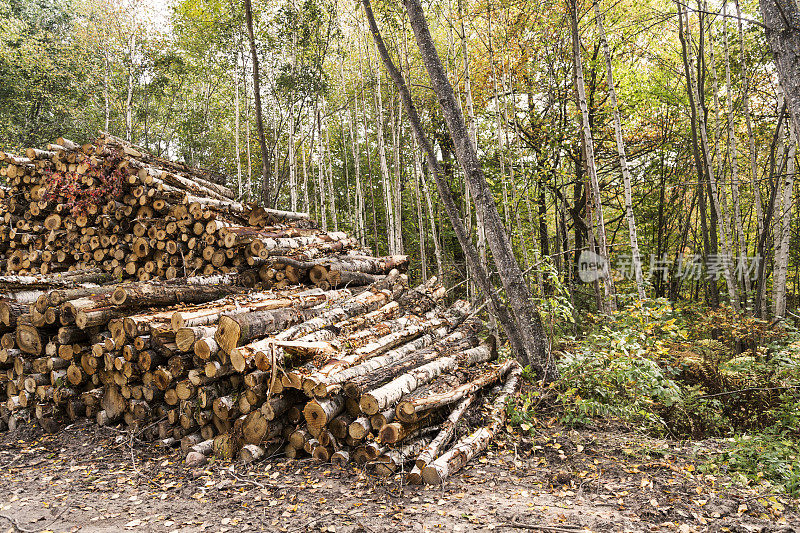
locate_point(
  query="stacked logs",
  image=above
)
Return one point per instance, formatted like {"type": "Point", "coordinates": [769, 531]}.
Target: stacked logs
{"type": "Point", "coordinates": [240, 332]}
{"type": "Point", "coordinates": [379, 374]}
{"type": "Point", "coordinates": [111, 205]}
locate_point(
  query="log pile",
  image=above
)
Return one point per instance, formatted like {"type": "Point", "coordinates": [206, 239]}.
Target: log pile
{"type": "Point", "coordinates": [112, 206]}
{"type": "Point", "coordinates": [296, 342]}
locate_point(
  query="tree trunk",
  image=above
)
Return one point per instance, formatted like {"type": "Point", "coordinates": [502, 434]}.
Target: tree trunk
{"type": "Point", "coordinates": [236, 126]}
{"type": "Point", "coordinates": [306, 184]}
{"type": "Point", "coordinates": [129, 98]}
{"type": "Point", "coordinates": [525, 332]}
{"type": "Point", "coordinates": [266, 191]}
{"type": "Point", "coordinates": [734, 158]}
{"type": "Point", "coordinates": [106, 104]}
{"type": "Point", "coordinates": [322, 212]}
{"type": "Point", "coordinates": [388, 191]}
{"type": "Point", "coordinates": [776, 162]}
{"type": "Point", "coordinates": [726, 258]}
{"type": "Point", "coordinates": [446, 194]}
{"type": "Point", "coordinates": [783, 235]}
{"type": "Point", "coordinates": [623, 160]}
{"type": "Point", "coordinates": [418, 177]}
{"type": "Point", "coordinates": [396, 196]}
{"type": "Point", "coordinates": [749, 122]}
{"type": "Point", "coordinates": [329, 175]}
{"type": "Point", "coordinates": [249, 189]}
{"type": "Point", "coordinates": [359, 193]}
{"type": "Point", "coordinates": [609, 298]}
{"type": "Point", "coordinates": [782, 18]}
{"type": "Point", "coordinates": [292, 147]}
{"type": "Point", "coordinates": [707, 248]}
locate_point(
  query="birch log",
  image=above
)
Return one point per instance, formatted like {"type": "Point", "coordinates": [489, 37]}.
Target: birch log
{"type": "Point", "coordinates": [467, 448]}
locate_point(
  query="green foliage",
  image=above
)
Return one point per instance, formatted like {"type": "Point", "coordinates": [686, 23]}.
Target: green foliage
{"type": "Point", "coordinates": [650, 368]}
{"type": "Point", "coordinates": [766, 456]}
{"type": "Point", "coordinates": [623, 385]}
{"type": "Point", "coordinates": [40, 91]}
{"type": "Point", "coordinates": [554, 305]}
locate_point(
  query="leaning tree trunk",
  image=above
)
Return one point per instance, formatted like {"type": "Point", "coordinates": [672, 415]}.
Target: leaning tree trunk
{"type": "Point", "coordinates": [262, 140]}
{"type": "Point", "coordinates": [527, 337]}
{"type": "Point", "coordinates": [527, 325]}
{"type": "Point", "coordinates": [782, 20]}
{"type": "Point", "coordinates": [540, 360]}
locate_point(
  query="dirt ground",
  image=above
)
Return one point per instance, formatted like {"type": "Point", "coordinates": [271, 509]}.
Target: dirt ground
{"type": "Point", "coordinates": [87, 478]}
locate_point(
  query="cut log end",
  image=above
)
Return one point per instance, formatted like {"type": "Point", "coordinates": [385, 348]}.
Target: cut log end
{"type": "Point", "coordinates": [315, 417]}
{"type": "Point", "coordinates": [405, 412]}
{"type": "Point", "coordinates": [391, 433]}
{"type": "Point", "coordinates": [369, 405]}
{"type": "Point", "coordinates": [432, 476]}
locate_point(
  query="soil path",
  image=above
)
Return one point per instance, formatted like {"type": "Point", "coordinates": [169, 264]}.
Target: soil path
{"type": "Point", "coordinates": [87, 478]}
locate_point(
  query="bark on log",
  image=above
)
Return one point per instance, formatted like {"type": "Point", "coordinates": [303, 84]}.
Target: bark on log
{"type": "Point", "coordinates": [389, 394]}
{"type": "Point", "coordinates": [409, 411]}
{"type": "Point", "coordinates": [319, 382]}
{"type": "Point", "coordinates": [356, 305]}
{"type": "Point", "coordinates": [235, 330]}
{"type": "Point", "coordinates": [446, 433]}
{"type": "Point", "coordinates": [150, 295]}
{"type": "Point", "coordinates": [389, 462]}
{"type": "Point", "coordinates": [470, 446]}
{"type": "Point", "coordinates": [377, 371]}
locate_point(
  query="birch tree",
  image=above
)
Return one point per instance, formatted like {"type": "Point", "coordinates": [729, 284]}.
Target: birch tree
{"type": "Point", "coordinates": [733, 153]}
{"type": "Point", "coordinates": [782, 21]}
{"type": "Point", "coordinates": [608, 303]}
{"type": "Point", "coordinates": [266, 193]}
{"type": "Point", "coordinates": [386, 179]}
{"type": "Point", "coordinates": [783, 234]}
{"type": "Point", "coordinates": [623, 160]}
{"type": "Point", "coordinates": [726, 257]}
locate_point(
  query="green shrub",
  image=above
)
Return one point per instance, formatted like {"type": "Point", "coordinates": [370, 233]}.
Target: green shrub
{"type": "Point", "coordinates": [672, 372]}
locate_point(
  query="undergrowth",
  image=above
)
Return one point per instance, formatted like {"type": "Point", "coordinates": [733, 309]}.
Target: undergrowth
{"type": "Point", "coordinates": [686, 372]}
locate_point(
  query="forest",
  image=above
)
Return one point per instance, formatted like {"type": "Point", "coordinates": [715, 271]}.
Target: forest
{"type": "Point", "coordinates": [612, 183]}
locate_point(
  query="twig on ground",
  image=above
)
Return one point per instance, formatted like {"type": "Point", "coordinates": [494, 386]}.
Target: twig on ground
{"type": "Point", "coordinates": [541, 527]}
{"type": "Point", "coordinates": [243, 480]}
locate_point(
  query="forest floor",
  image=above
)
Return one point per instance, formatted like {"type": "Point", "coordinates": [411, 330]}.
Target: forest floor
{"type": "Point", "coordinates": [87, 478]}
